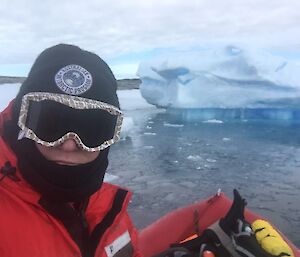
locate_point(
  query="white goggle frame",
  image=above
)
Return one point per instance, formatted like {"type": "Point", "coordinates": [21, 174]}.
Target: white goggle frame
{"type": "Point", "coordinates": [75, 102]}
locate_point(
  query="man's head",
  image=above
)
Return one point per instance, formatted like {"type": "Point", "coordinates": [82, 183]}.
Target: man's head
{"type": "Point", "coordinates": [67, 115]}
{"type": "Point", "coordinates": [69, 98]}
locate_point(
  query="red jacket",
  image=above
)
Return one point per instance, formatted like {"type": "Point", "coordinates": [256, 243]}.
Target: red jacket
{"type": "Point", "coordinates": [28, 230]}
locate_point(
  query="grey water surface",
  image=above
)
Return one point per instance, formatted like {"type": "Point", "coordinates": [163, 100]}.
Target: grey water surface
{"type": "Point", "coordinates": [169, 162]}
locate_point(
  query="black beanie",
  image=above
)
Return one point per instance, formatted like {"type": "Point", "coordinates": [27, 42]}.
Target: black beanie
{"type": "Point", "coordinates": [63, 69]}
{"type": "Point", "coordinates": [57, 67]}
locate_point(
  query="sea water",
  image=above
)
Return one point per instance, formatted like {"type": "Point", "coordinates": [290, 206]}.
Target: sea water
{"type": "Point", "coordinates": [176, 157]}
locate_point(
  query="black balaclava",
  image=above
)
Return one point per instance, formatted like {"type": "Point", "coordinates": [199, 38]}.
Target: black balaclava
{"type": "Point", "coordinates": [57, 182]}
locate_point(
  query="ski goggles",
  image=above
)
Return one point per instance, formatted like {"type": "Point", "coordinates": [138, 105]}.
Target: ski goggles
{"type": "Point", "coordinates": [50, 119]}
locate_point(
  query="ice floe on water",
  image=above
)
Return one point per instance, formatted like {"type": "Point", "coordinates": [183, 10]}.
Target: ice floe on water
{"type": "Point", "coordinates": [127, 127]}
{"type": "Point", "coordinates": [148, 147]}
{"type": "Point", "coordinates": [213, 121]}
{"type": "Point", "coordinates": [173, 125]}
{"type": "Point", "coordinates": [211, 160]}
{"type": "Point", "coordinates": [194, 157]}
{"type": "Point", "coordinates": [110, 177]}
{"type": "Point", "coordinates": [150, 133]}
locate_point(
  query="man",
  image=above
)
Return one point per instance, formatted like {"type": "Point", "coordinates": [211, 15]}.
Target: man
{"type": "Point", "coordinates": [55, 139]}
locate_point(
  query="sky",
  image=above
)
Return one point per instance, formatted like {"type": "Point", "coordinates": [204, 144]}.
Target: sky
{"type": "Point", "coordinates": [124, 33]}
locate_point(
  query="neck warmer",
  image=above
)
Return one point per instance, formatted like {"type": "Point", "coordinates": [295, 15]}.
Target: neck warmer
{"type": "Point", "coordinates": [55, 182]}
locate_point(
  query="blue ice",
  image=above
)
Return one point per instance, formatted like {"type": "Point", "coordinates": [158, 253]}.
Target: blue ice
{"type": "Point", "coordinates": [225, 83]}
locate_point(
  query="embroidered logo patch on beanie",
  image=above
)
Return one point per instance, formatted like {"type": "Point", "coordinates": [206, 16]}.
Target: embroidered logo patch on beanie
{"type": "Point", "coordinates": [73, 79]}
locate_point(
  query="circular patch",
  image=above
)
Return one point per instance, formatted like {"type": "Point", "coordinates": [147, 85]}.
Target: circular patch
{"type": "Point", "coordinates": [73, 79]}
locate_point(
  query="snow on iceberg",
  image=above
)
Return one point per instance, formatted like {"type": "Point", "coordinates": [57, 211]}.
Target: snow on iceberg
{"type": "Point", "coordinates": [230, 77]}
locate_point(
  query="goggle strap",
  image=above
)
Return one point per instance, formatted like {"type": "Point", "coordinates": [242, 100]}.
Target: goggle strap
{"type": "Point", "coordinates": [21, 134]}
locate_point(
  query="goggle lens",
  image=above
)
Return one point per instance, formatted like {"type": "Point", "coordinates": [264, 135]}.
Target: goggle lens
{"type": "Point", "coordinates": [50, 121]}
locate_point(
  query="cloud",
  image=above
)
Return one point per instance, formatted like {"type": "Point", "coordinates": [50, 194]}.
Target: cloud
{"type": "Point", "coordinates": [113, 28]}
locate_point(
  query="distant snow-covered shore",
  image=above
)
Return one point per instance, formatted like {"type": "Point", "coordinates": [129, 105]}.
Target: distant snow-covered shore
{"type": "Point", "coordinates": [123, 84]}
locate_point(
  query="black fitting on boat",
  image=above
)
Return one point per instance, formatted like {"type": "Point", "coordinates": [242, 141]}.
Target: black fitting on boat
{"type": "Point", "coordinates": [8, 171]}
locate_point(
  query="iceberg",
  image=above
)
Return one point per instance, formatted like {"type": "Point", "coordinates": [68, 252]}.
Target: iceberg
{"type": "Point", "coordinates": [230, 78]}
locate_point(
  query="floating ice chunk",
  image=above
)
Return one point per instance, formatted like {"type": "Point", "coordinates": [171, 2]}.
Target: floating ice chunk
{"type": "Point", "coordinates": [127, 127]}
{"type": "Point", "coordinates": [170, 197]}
{"type": "Point", "coordinates": [150, 133]}
{"type": "Point", "coordinates": [211, 160]}
{"type": "Point", "coordinates": [173, 125]}
{"type": "Point", "coordinates": [148, 147]}
{"type": "Point", "coordinates": [213, 121]}
{"type": "Point", "coordinates": [109, 177]}
{"type": "Point", "coordinates": [225, 139]}
{"type": "Point", "coordinates": [194, 157]}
